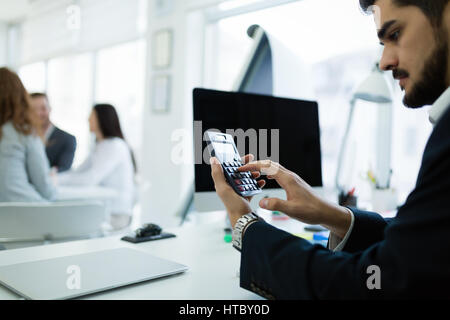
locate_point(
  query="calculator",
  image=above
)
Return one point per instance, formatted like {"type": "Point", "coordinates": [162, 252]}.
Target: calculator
{"type": "Point", "coordinates": [222, 147]}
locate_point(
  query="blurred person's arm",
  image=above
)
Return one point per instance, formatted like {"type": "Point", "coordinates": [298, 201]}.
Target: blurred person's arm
{"type": "Point", "coordinates": [99, 165]}
{"type": "Point", "coordinates": [65, 160]}
{"type": "Point", "coordinates": [38, 168]}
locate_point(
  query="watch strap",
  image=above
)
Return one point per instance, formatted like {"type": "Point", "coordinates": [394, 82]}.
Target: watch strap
{"type": "Point", "coordinates": [241, 225]}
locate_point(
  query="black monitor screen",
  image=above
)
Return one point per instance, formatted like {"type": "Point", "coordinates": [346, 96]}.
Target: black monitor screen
{"type": "Point", "coordinates": [286, 130]}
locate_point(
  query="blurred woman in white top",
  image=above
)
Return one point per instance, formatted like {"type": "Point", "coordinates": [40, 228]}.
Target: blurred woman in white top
{"type": "Point", "coordinates": [111, 165]}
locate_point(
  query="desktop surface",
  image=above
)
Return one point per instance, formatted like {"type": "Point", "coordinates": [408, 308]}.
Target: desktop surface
{"type": "Point", "coordinates": [212, 275]}
{"type": "Point", "coordinates": [213, 263]}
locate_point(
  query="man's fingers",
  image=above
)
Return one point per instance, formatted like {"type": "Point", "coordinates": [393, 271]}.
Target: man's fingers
{"type": "Point", "coordinates": [262, 183]}
{"type": "Point", "coordinates": [273, 171]}
{"type": "Point", "coordinates": [256, 175]}
{"type": "Point", "coordinates": [248, 158]}
{"type": "Point", "coordinates": [217, 173]}
{"type": "Point", "coordinates": [274, 204]}
{"type": "Point", "coordinates": [266, 167]}
{"type": "Point", "coordinates": [219, 178]}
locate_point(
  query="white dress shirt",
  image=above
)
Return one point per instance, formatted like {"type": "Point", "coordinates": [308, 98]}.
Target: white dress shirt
{"type": "Point", "coordinates": [49, 131]}
{"type": "Point", "coordinates": [109, 166]}
{"type": "Point", "coordinates": [436, 112]}
{"type": "Point", "coordinates": [439, 107]}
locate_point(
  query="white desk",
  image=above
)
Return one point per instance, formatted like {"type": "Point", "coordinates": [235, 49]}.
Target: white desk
{"type": "Point", "coordinates": [212, 274]}
{"type": "Point", "coordinates": [85, 193]}
{"type": "Point", "coordinates": [213, 264]}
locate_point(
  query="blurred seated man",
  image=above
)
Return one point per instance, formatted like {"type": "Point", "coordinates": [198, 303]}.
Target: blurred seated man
{"type": "Point", "coordinates": [60, 146]}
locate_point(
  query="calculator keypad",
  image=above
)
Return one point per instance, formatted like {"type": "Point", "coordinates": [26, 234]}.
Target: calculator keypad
{"type": "Point", "coordinates": [243, 181]}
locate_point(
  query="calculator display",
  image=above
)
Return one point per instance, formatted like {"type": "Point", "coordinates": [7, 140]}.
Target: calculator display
{"type": "Point", "coordinates": [224, 151]}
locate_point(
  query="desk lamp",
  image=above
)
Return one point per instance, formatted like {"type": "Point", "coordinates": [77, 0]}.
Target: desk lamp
{"type": "Point", "coordinates": [374, 89]}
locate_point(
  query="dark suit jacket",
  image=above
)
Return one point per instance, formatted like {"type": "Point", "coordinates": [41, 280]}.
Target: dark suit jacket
{"type": "Point", "coordinates": [411, 250]}
{"type": "Point", "coordinates": [60, 149]}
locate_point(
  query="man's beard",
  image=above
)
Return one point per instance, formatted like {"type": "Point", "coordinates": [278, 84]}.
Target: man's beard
{"type": "Point", "coordinates": [433, 81]}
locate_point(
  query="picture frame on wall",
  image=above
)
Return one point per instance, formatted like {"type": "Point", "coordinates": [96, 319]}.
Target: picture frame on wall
{"type": "Point", "coordinates": [162, 49]}
{"type": "Point", "coordinates": [162, 7]}
{"type": "Point", "coordinates": [161, 93]}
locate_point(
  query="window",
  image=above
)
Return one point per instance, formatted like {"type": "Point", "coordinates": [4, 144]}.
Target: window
{"type": "Point", "coordinates": [120, 81]}
{"type": "Point", "coordinates": [341, 48]}
{"type": "Point", "coordinates": [70, 83]}
{"type": "Point", "coordinates": [33, 77]}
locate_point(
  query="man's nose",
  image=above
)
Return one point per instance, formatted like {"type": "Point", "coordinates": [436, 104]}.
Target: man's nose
{"type": "Point", "coordinates": [389, 60]}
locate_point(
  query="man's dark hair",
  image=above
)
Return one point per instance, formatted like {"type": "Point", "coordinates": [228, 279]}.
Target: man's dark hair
{"type": "Point", "coordinates": [433, 9]}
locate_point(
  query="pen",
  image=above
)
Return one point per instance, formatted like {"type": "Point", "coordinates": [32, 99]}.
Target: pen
{"type": "Point", "coordinates": [352, 192]}
{"type": "Point", "coordinates": [371, 177]}
{"type": "Point", "coordinates": [390, 177]}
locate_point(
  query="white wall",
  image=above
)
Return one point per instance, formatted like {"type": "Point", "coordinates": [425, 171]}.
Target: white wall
{"type": "Point", "coordinates": [3, 43]}
{"type": "Point", "coordinates": [170, 182]}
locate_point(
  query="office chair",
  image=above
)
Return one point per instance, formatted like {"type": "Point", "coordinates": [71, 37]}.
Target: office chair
{"type": "Point", "coordinates": [44, 222]}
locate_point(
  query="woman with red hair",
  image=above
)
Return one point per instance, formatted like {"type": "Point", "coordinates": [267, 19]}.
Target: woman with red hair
{"type": "Point", "coordinates": [24, 167]}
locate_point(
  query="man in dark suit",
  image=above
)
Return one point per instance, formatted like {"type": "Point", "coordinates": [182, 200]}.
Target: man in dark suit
{"type": "Point", "coordinates": [60, 145]}
{"type": "Point", "coordinates": [368, 257]}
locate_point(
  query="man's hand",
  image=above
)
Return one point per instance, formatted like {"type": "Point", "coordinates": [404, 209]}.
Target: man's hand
{"type": "Point", "coordinates": [301, 204]}
{"type": "Point", "coordinates": [236, 205]}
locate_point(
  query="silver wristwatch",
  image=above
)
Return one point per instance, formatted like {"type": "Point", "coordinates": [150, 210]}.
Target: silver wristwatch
{"type": "Point", "coordinates": [240, 227]}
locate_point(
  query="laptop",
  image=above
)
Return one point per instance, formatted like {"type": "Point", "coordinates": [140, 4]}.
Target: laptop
{"type": "Point", "coordinates": [80, 275]}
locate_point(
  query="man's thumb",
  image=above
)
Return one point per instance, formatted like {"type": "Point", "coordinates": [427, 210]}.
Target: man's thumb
{"type": "Point", "coordinates": [216, 171]}
{"type": "Point", "coordinates": [274, 204]}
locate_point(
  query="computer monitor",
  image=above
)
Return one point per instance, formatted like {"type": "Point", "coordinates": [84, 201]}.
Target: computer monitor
{"type": "Point", "coordinates": [291, 130]}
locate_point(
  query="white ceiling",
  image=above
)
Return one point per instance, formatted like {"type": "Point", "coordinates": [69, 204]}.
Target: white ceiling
{"type": "Point", "coordinates": [13, 10]}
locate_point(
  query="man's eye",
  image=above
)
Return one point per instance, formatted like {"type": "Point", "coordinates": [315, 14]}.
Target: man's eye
{"type": "Point", "coordinates": [394, 36]}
